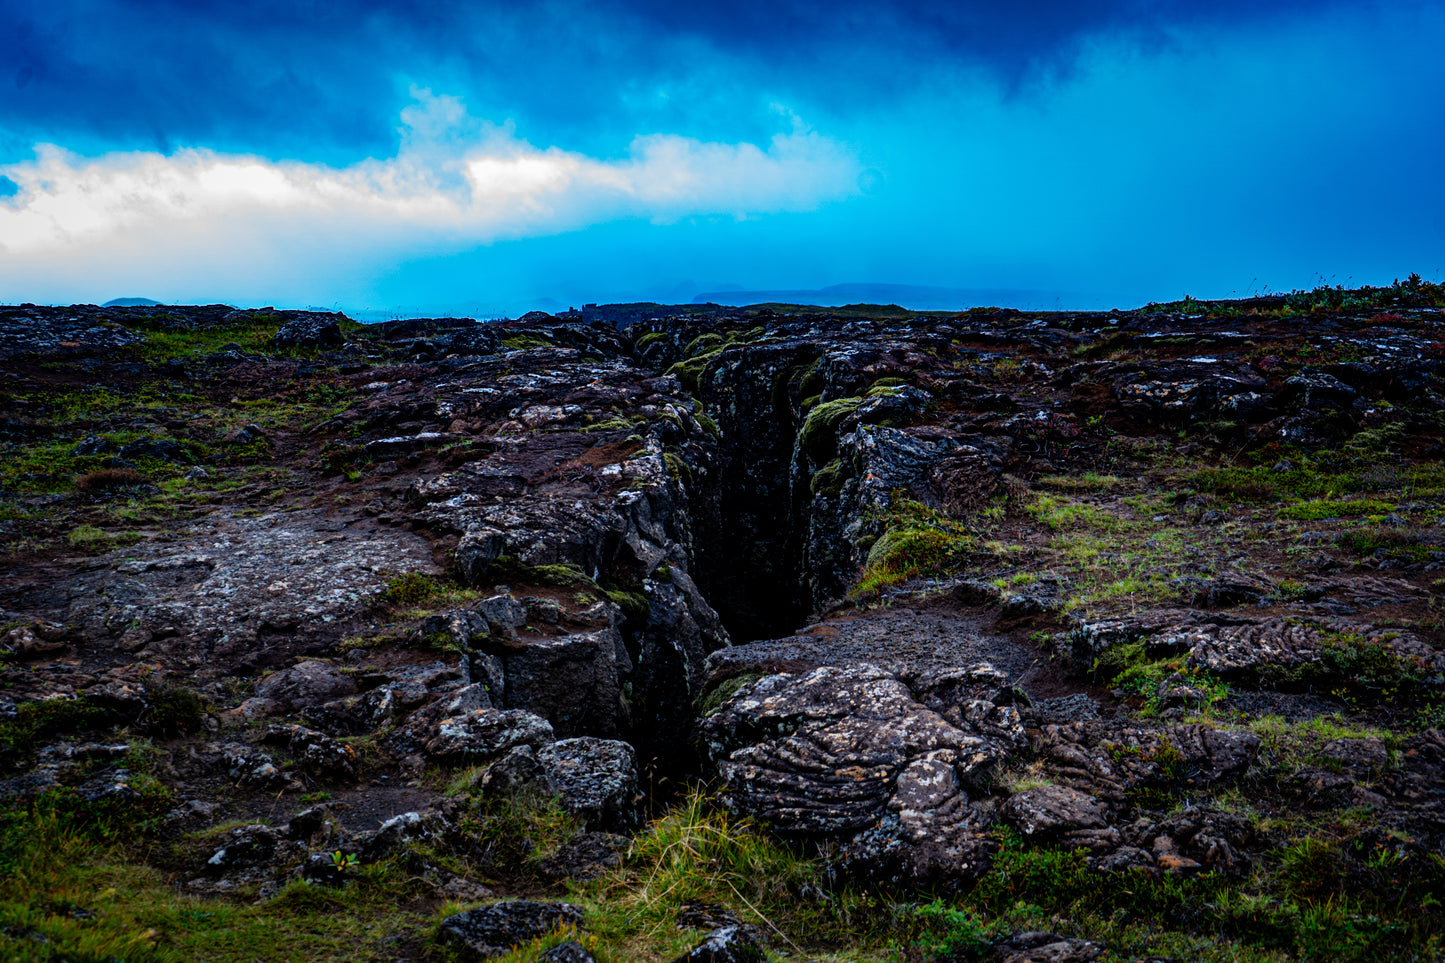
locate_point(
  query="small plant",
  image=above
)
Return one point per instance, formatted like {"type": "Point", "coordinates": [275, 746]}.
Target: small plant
{"type": "Point", "coordinates": [410, 589]}
{"type": "Point", "coordinates": [174, 711]}
{"type": "Point", "coordinates": [343, 861]}
{"type": "Point", "coordinates": [111, 479]}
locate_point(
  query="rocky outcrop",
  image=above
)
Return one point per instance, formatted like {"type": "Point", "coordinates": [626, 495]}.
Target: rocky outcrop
{"type": "Point", "coordinates": [495, 930]}
{"type": "Point", "coordinates": [1116, 565]}
{"type": "Point", "coordinates": [847, 754]}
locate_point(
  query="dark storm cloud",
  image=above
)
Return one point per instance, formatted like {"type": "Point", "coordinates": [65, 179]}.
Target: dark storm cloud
{"type": "Point", "coordinates": [325, 81]}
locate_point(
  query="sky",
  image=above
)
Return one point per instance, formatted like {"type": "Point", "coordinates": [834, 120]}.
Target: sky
{"type": "Point", "coordinates": [452, 157]}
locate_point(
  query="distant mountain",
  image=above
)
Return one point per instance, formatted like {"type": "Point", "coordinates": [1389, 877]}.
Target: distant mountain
{"type": "Point", "coordinates": [917, 297]}
{"type": "Point", "coordinates": [129, 303]}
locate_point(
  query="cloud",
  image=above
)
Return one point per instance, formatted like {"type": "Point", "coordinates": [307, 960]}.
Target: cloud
{"type": "Point", "coordinates": [321, 80]}
{"type": "Point", "coordinates": [488, 187]}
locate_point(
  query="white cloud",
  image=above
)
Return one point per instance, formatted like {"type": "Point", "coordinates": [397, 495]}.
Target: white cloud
{"type": "Point", "coordinates": [455, 181]}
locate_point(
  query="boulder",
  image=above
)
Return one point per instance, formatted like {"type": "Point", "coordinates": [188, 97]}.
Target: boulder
{"type": "Point", "coordinates": [568, 952]}
{"type": "Point", "coordinates": [484, 734]}
{"type": "Point", "coordinates": [586, 857]}
{"type": "Point", "coordinates": [309, 329]}
{"type": "Point", "coordinates": [844, 753]}
{"type": "Point", "coordinates": [1053, 810]}
{"type": "Point", "coordinates": [306, 684]}
{"type": "Point", "coordinates": [1359, 758]}
{"type": "Point", "coordinates": [1036, 947]}
{"type": "Point", "coordinates": [597, 780]}
{"type": "Point", "coordinates": [495, 930]}
{"type": "Point", "coordinates": [737, 943]}
{"type": "Point", "coordinates": [571, 680]}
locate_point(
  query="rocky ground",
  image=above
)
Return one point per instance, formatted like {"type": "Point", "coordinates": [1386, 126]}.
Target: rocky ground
{"type": "Point", "coordinates": [725, 636]}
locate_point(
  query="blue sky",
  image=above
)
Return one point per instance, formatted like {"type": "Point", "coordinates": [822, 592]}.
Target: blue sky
{"type": "Point", "coordinates": [477, 158]}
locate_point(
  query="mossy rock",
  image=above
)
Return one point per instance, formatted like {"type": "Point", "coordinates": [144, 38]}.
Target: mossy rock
{"type": "Point", "coordinates": [703, 344]}
{"type": "Point", "coordinates": [828, 480]}
{"type": "Point", "coordinates": [690, 372]}
{"type": "Point", "coordinates": [712, 700]}
{"type": "Point", "coordinates": [819, 435]}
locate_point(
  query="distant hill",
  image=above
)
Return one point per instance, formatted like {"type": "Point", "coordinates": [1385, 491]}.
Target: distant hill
{"type": "Point", "coordinates": [915, 297]}
{"type": "Point", "coordinates": [129, 303]}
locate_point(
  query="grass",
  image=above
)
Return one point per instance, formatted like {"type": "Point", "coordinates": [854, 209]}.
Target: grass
{"type": "Point", "coordinates": [67, 895]}
{"type": "Point", "coordinates": [1086, 482]}
{"type": "Point", "coordinates": [1286, 746]}
{"type": "Point", "coordinates": [164, 342]}
{"type": "Point", "coordinates": [89, 538]}
{"type": "Point", "coordinates": [1318, 510]}
{"type": "Point", "coordinates": [91, 899]}
{"type": "Point", "coordinates": [1325, 477]}
{"type": "Point", "coordinates": [1060, 513]}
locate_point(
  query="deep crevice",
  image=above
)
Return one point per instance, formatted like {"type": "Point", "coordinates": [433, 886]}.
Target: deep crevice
{"type": "Point", "coordinates": [748, 557]}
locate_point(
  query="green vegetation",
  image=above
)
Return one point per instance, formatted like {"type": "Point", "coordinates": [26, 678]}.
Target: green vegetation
{"type": "Point", "coordinates": [173, 711]}
{"type": "Point", "coordinates": [68, 878]}
{"type": "Point", "coordinates": [828, 480]}
{"type": "Point", "coordinates": [167, 338]}
{"type": "Point", "coordinates": [1317, 510]}
{"type": "Point", "coordinates": [525, 342]}
{"type": "Point", "coordinates": [410, 588]}
{"type": "Point", "coordinates": [72, 892]}
{"type": "Point", "coordinates": [712, 700]}
{"type": "Point", "coordinates": [89, 538]}
{"type": "Point", "coordinates": [36, 722]}
{"type": "Point", "coordinates": [1325, 477]}
{"type": "Point", "coordinates": [1086, 482]}
{"type": "Point", "coordinates": [917, 540]}
{"type": "Point", "coordinates": [1058, 514]}
{"type": "Point", "coordinates": [690, 372]}
{"type": "Point", "coordinates": [631, 600]}
{"type": "Point", "coordinates": [1128, 666]}
{"type": "Point", "coordinates": [818, 436]}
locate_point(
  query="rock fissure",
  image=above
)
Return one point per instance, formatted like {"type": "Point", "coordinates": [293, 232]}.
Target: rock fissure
{"type": "Point", "coordinates": [937, 603]}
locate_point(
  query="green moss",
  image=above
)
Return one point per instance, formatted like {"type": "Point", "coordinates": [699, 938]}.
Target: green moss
{"type": "Point", "coordinates": [810, 381]}
{"type": "Point", "coordinates": [634, 605]}
{"type": "Point", "coordinates": [1376, 441]}
{"type": "Point", "coordinates": [828, 480]}
{"type": "Point", "coordinates": [525, 342]}
{"type": "Point", "coordinates": [651, 337]}
{"type": "Point", "coordinates": [611, 424]}
{"type": "Point", "coordinates": [918, 541]}
{"type": "Point", "coordinates": [818, 436]}
{"type": "Point", "coordinates": [708, 425]}
{"type": "Point", "coordinates": [678, 469]}
{"type": "Point", "coordinates": [704, 344]}
{"type": "Point", "coordinates": [712, 700]}
{"type": "Point", "coordinates": [690, 372]}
